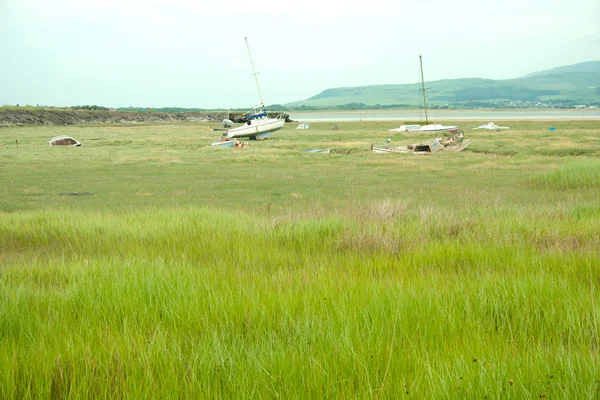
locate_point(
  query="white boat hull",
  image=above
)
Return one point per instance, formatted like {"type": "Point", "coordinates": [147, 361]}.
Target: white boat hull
{"type": "Point", "coordinates": [438, 128]}
{"type": "Point", "coordinates": [256, 127]}
{"type": "Point", "coordinates": [426, 128]}
{"type": "Point", "coordinates": [63, 140]}
{"type": "Point", "coordinates": [405, 128]}
{"type": "Point", "coordinates": [491, 127]}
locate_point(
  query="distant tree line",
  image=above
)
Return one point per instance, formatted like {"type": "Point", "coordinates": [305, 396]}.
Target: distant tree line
{"type": "Point", "coordinates": [93, 107]}
{"type": "Point", "coordinates": [354, 106]}
{"type": "Point", "coordinates": [273, 107]}
{"type": "Point", "coordinates": [489, 93]}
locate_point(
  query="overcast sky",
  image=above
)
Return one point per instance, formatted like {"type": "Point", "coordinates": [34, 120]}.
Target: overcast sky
{"type": "Point", "coordinates": [192, 53]}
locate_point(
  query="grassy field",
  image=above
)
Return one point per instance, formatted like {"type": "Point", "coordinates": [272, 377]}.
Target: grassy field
{"type": "Point", "coordinates": [268, 272]}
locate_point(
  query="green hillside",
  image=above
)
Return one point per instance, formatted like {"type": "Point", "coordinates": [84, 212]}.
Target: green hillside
{"type": "Point", "coordinates": [567, 87]}
{"type": "Point", "coordinates": [589, 66]}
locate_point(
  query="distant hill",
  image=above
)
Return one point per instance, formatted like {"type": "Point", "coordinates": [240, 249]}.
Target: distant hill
{"type": "Point", "coordinates": [589, 66]}
{"type": "Point", "coordinates": [574, 84]}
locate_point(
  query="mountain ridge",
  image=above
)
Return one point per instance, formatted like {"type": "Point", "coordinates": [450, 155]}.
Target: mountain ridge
{"type": "Point", "coordinates": [571, 84]}
{"type": "Point", "coordinates": [587, 66]}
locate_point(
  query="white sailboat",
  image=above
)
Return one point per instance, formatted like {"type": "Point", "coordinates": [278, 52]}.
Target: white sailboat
{"type": "Point", "coordinates": [260, 126]}
{"type": "Point", "coordinates": [428, 128]}
{"type": "Point", "coordinates": [227, 122]}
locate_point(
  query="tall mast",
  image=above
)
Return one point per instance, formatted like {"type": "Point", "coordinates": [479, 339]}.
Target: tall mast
{"type": "Point", "coordinates": [254, 72]}
{"type": "Point", "coordinates": [422, 84]}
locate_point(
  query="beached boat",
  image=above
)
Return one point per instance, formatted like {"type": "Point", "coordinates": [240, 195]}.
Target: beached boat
{"type": "Point", "coordinates": [257, 125]}
{"type": "Point", "coordinates": [491, 127]}
{"type": "Point", "coordinates": [432, 146]}
{"type": "Point", "coordinates": [256, 128]}
{"type": "Point", "coordinates": [227, 122]}
{"type": "Point", "coordinates": [455, 142]}
{"type": "Point", "coordinates": [438, 128]}
{"type": "Point", "coordinates": [63, 140]}
{"type": "Point", "coordinates": [427, 128]}
{"type": "Point", "coordinates": [458, 146]}
{"type": "Point", "coordinates": [405, 128]}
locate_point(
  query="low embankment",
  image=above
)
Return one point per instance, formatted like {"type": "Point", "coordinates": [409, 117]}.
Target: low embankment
{"type": "Point", "coordinates": [46, 116]}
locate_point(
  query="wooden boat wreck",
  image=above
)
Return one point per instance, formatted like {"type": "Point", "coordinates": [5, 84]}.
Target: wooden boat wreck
{"type": "Point", "coordinates": [455, 142]}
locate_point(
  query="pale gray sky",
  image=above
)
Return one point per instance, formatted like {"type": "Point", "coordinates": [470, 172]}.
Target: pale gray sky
{"type": "Point", "coordinates": [192, 53]}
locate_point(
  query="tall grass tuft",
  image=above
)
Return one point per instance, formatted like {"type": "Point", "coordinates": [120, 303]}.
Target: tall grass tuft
{"type": "Point", "coordinates": [576, 174]}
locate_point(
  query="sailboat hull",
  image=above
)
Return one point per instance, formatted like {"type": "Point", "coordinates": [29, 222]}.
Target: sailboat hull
{"type": "Point", "coordinates": [256, 127]}
{"type": "Point", "coordinates": [437, 128]}
{"type": "Point", "coordinates": [426, 128]}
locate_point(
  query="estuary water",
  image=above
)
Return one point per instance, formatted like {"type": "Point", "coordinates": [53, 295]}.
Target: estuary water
{"type": "Point", "coordinates": [446, 115]}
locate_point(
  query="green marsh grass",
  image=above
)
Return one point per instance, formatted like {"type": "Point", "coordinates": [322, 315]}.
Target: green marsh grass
{"type": "Point", "coordinates": [581, 173]}
{"type": "Point", "coordinates": [195, 272]}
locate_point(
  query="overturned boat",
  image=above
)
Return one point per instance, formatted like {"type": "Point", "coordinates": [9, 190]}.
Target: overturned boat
{"type": "Point", "coordinates": [492, 127]}
{"type": "Point", "coordinates": [63, 140]}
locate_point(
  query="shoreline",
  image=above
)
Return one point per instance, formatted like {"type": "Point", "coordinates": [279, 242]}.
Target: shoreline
{"type": "Point", "coordinates": [456, 115]}
{"type": "Point", "coordinates": [413, 110]}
